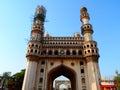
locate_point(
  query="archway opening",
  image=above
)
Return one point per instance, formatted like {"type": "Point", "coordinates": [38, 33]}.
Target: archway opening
{"type": "Point", "coordinates": [58, 71]}
{"type": "Point", "coordinates": [62, 83]}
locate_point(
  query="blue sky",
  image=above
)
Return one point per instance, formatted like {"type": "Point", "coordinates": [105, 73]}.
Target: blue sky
{"type": "Point", "coordinates": [16, 18]}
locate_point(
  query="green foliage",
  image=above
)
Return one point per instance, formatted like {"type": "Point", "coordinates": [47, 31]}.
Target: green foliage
{"type": "Point", "coordinates": [18, 77]}
{"type": "Point", "coordinates": [12, 82]}
{"type": "Point", "coordinates": [117, 78]}
{"type": "Point", "coordinates": [6, 74]}
{"type": "Point", "coordinates": [4, 79]}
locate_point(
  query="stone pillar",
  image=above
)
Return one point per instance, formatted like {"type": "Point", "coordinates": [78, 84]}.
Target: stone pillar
{"type": "Point", "coordinates": [78, 79]}
{"type": "Point", "coordinates": [92, 74]}
{"type": "Point", "coordinates": [97, 72]}
{"type": "Point", "coordinates": [30, 74]}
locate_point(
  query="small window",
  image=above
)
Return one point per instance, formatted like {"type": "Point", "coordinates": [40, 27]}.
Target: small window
{"type": "Point", "coordinates": [50, 52]}
{"type": "Point", "coordinates": [81, 63]}
{"type": "Point", "coordinates": [82, 70]}
{"type": "Point", "coordinates": [40, 89]}
{"type": "Point", "coordinates": [83, 80]}
{"type": "Point", "coordinates": [42, 70]}
{"type": "Point", "coordinates": [35, 51]}
{"type": "Point", "coordinates": [79, 52]}
{"type": "Point", "coordinates": [32, 45]}
{"type": "Point", "coordinates": [51, 63]}
{"type": "Point", "coordinates": [87, 45]}
{"type": "Point", "coordinates": [31, 50]}
{"type": "Point", "coordinates": [84, 46]}
{"type": "Point", "coordinates": [88, 51]}
{"type": "Point", "coordinates": [35, 26]}
{"type": "Point", "coordinates": [36, 45]}
{"type": "Point", "coordinates": [74, 52]}
{"type": "Point", "coordinates": [87, 26]}
{"type": "Point", "coordinates": [85, 52]}
{"type": "Point", "coordinates": [40, 80]}
{"type": "Point", "coordinates": [95, 45]}
{"type": "Point", "coordinates": [72, 64]}
{"type": "Point", "coordinates": [43, 62]}
{"type": "Point", "coordinates": [91, 45]}
{"type": "Point", "coordinates": [43, 52]}
{"type": "Point", "coordinates": [56, 52]}
{"type": "Point", "coordinates": [67, 52]}
{"type": "Point", "coordinates": [38, 52]}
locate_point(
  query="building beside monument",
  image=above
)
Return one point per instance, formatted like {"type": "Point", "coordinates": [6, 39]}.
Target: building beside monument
{"type": "Point", "coordinates": [59, 83]}
{"type": "Point", "coordinates": [49, 57]}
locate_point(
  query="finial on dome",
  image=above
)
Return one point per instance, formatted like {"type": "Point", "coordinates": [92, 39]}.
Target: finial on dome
{"type": "Point", "coordinates": [76, 34]}
{"type": "Point", "coordinates": [47, 35]}
{"type": "Point", "coordinates": [83, 9]}
{"type": "Point", "coordinates": [84, 17]}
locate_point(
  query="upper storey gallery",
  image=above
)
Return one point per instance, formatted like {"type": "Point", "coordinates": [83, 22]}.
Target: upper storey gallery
{"type": "Point", "coordinates": [77, 45]}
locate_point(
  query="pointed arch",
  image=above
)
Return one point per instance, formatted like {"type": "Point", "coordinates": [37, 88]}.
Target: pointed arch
{"type": "Point", "coordinates": [58, 71]}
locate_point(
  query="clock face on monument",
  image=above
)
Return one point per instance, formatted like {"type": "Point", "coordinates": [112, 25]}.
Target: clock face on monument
{"type": "Point", "coordinates": [61, 52]}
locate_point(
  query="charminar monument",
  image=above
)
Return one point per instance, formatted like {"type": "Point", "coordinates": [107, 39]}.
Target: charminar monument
{"type": "Point", "coordinates": [49, 57]}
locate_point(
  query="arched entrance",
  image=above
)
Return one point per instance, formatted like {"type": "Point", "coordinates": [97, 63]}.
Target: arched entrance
{"type": "Point", "coordinates": [58, 71]}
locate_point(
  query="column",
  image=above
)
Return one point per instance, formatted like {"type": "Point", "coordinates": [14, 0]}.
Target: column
{"type": "Point", "coordinates": [30, 74]}
{"type": "Point", "coordinates": [91, 76]}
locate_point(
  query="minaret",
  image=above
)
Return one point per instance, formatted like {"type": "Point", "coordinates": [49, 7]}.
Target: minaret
{"type": "Point", "coordinates": [38, 26]}
{"type": "Point", "coordinates": [86, 27]}
{"type": "Point", "coordinates": [90, 51]}
{"type": "Point", "coordinates": [34, 49]}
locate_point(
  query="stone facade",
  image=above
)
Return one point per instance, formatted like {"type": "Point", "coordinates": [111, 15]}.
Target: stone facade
{"type": "Point", "coordinates": [50, 57]}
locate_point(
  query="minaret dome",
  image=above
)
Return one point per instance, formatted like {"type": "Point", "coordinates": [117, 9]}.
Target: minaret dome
{"type": "Point", "coordinates": [84, 16]}
{"type": "Point", "coordinates": [86, 28]}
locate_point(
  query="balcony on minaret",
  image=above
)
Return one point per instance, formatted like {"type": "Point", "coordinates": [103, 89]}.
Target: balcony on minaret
{"type": "Point", "coordinates": [90, 48]}
{"type": "Point", "coordinates": [33, 48]}
{"type": "Point", "coordinates": [38, 27]}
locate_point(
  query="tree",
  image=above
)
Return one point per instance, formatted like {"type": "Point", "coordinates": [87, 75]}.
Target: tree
{"type": "Point", "coordinates": [18, 79]}
{"type": "Point", "coordinates": [7, 75]}
{"type": "Point", "coordinates": [4, 79]}
{"type": "Point", "coordinates": [117, 78]}
{"type": "Point", "coordinates": [13, 82]}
